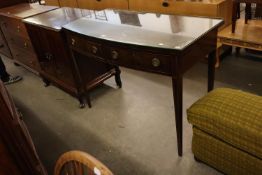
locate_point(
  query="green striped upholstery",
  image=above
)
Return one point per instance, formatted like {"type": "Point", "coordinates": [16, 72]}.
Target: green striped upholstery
{"type": "Point", "coordinates": [232, 116]}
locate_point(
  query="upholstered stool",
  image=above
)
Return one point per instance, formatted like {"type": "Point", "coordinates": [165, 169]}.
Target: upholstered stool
{"type": "Point", "coordinates": [227, 131]}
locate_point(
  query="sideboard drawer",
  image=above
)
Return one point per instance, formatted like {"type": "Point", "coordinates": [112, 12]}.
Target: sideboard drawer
{"type": "Point", "coordinates": [13, 26]}
{"type": "Point", "coordinates": [25, 57]}
{"type": "Point", "coordinates": [20, 42]}
{"type": "Point", "coordinates": [153, 62]}
{"type": "Point", "coordinates": [85, 45]}
{"type": "Point", "coordinates": [4, 49]}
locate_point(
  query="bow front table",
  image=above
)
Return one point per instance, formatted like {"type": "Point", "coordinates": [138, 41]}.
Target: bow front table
{"type": "Point", "coordinates": [163, 44]}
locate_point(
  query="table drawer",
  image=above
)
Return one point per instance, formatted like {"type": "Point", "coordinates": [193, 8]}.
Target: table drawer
{"type": "Point", "coordinates": [120, 56]}
{"type": "Point", "coordinates": [153, 62]}
{"type": "Point", "coordinates": [11, 25]}
{"type": "Point", "coordinates": [85, 45]}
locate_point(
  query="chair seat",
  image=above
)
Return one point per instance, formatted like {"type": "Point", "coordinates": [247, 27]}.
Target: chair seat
{"type": "Point", "coordinates": [232, 116]}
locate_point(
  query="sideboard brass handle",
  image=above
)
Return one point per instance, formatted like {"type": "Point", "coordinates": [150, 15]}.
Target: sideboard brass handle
{"type": "Point", "coordinates": [165, 3]}
{"type": "Point", "coordinates": [18, 28]}
{"type": "Point", "coordinates": [156, 62]}
{"type": "Point", "coordinates": [94, 49]}
{"type": "Point", "coordinates": [114, 55]}
{"type": "Point", "coordinates": [73, 41]}
{"type": "Point", "coordinates": [25, 45]}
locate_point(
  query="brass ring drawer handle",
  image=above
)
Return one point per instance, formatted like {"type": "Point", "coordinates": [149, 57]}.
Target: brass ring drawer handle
{"type": "Point", "coordinates": [165, 3]}
{"type": "Point", "coordinates": [114, 55]}
{"type": "Point", "coordinates": [73, 41]}
{"type": "Point", "coordinates": [156, 62]}
{"type": "Point", "coordinates": [94, 49]}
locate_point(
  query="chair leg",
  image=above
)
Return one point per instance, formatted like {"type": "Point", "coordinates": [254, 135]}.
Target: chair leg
{"type": "Point", "coordinates": [238, 11]}
{"type": "Point", "coordinates": [258, 13]}
{"type": "Point", "coordinates": [234, 16]}
{"type": "Point", "coordinates": [247, 12]}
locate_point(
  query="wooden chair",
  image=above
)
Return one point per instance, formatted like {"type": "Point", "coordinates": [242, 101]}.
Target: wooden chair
{"type": "Point", "coordinates": [80, 163]}
{"type": "Point", "coordinates": [236, 10]}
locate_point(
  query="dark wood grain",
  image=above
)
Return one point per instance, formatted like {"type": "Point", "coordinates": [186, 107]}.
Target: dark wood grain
{"type": "Point", "coordinates": [15, 137]}
{"type": "Point", "coordinates": [8, 164]}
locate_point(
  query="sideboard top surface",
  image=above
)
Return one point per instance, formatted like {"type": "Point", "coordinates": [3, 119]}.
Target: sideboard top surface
{"type": "Point", "coordinates": [145, 29]}
{"type": "Point", "coordinates": [55, 19]}
{"type": "Point", "coordinates": [25, 10]}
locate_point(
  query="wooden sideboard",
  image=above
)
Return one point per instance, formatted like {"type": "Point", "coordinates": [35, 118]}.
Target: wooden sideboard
{"type": "Point", "coordinates": [17, 151]}
{"type": "Point", "coordinates": [209, 8]}
{"type": "Point", "coordinates": [53, 54]}
{"type": "Point", "coordinates": [163, 44]}
{"type": "Point", "coordinates": [16, 35]}
{"type": "Point", "coordinates": [7, 162]}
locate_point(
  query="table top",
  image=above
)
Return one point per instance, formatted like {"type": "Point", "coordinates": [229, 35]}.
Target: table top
{"type": "Point", "coordinates": [25, 10]}
{"type": "Point", "coordinates": [55, 19]}
{"type": "Point", "coordinates": [145, 29]}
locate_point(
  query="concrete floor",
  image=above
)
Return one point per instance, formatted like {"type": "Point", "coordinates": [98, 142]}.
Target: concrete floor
{"type": "Point", "coordinates": [131, 130]}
